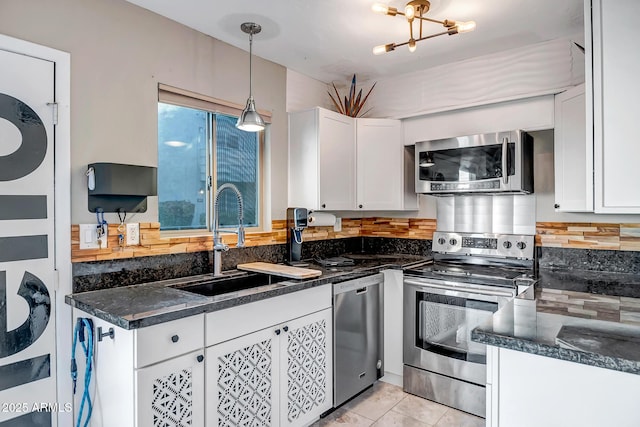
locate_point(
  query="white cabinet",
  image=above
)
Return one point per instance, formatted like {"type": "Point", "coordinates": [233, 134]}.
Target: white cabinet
{"type": "Point", "coordinates": [573, 153]}
{"type": "Point", "coordinates": [528, 390]}
{"type": "Point", "coordinates": [243, 381]}
{"type": "Point", "coordinates": [271, 361]}
{"type": "Point", "coordinates": [171, 393]}
{"type": "Point", "coordinates": [616, 67]}
{"type": "Point", "coordinates": [149, 376]}
{"type": "Point", "coordinates": [266, 363]}
{"type": "Point", "coordinates": [393, 326]}
{"type": "Point", "coordinates": [341, 163]}
{"type": "Point", "coordinates": [322, 160]}
{"type": "Point", "coordinates": [379, 154]}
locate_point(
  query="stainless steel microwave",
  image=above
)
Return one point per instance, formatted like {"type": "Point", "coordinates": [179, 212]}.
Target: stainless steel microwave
{"type": "Point", "coordinates": [489, 163]}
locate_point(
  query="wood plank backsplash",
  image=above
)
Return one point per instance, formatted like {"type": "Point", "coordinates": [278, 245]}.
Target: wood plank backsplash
{"type": "Point", "coordinates": [625, 237]}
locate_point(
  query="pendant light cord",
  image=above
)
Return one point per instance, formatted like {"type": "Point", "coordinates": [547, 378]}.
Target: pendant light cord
{"type": "Point", "coordinates": [250, 63]}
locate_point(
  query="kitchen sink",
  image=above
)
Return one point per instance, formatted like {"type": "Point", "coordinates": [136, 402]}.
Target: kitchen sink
{"type": "Point", "coordinates": [225, 285]}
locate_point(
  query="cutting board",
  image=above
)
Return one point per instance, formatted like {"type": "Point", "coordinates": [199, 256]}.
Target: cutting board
{"type": "Point", "coordinates": [280, 270]}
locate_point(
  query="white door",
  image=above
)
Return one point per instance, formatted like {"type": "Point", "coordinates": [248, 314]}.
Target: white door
{"type": "Point", "coordinates": [337, 135]}
{"type": "Point", "coordinates": [306, 363]}
{"type": "Point", "coordinates": [242, 381]}
{"type": "Point", "coordinates": [27, 329]}
{"type": "Point", "coordinates": [379, 157]}
{"type": "Point", "coordinates": [171, 393]}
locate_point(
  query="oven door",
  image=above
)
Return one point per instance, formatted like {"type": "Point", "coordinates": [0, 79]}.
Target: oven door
{"type": "Point", "coordinates": [438, 319]}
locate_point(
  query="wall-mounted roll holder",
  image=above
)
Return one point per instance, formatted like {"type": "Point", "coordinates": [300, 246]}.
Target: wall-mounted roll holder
{"type": "Point", "coordinates": [114, 187]}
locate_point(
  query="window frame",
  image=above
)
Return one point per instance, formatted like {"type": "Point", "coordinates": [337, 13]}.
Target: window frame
{"type": "Point", "coordinates": [184, 98]}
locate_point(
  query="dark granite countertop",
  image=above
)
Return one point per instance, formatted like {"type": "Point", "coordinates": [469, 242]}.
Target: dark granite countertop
{"type": "Point", "coordinates": [591, 318]}
{"type": "Point", "coordinates": [137, 306]}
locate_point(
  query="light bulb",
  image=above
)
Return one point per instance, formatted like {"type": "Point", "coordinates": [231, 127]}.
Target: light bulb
{"type": "Point", "coordinates": [409, 12]}
{"type": "Point", "coordinates": [380, 8]}
{"type": "Point", "coordinates": [465, 27]}
{"type": "Point", "coordinates": [412, 45]}
{"type": "Point", "coordinates": [379, 50]}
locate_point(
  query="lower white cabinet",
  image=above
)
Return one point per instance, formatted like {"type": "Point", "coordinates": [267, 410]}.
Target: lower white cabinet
{"type": "Point", "coordinates": [528, 390]}
{"type": "Point", "coordinates": [277, 376]}
{"type": "Point", "coordinates": [265, 363]}
{"type": "Point", "coordinates": [171, 393]}
{"type": "Point", "coordinates": [393, 326]}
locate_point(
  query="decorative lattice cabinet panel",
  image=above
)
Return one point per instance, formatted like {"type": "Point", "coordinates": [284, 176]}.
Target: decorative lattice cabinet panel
{"type": "Point", "coordinates": [307, 368]}
{"type": "Point", "coordinates": [171, 393]}
{"type": "Point", "coordinates": [242, 379]}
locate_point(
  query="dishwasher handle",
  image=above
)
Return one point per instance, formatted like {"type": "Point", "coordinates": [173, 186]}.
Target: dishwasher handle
{"type": "Point", "coordinates": [359, 286]}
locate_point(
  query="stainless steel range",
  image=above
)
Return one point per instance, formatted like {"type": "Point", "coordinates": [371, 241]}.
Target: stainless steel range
{"type": "Point", "coordinates": [470, 278]}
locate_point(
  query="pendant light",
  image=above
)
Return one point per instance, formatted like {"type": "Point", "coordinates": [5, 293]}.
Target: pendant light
{"type": "Point", "coordinates": [250, 120]}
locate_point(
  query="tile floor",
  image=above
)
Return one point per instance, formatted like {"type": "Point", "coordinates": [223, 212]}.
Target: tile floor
{"type": "Point", "coordinates": [386, 405]}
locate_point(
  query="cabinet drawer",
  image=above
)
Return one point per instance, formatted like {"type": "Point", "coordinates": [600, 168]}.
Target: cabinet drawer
{"type": "Point", "coordinates": [233, 322]}
{"type": "Point", "coordinates": [166, 340]}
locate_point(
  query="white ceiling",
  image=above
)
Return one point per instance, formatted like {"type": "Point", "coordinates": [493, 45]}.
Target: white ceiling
{"type": "Point", "coordinates": [330, 40]}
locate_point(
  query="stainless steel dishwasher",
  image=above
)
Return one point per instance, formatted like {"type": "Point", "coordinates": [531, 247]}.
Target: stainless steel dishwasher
{"type": "Point", "coordinates": [357, 331]}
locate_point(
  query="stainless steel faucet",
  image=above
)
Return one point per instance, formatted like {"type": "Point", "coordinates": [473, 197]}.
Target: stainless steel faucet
{"type": "Point", "coordinates": [218, 246]}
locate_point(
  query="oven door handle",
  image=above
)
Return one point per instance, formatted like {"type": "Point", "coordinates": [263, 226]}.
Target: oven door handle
{"type": "Point", "coordinates": [460, 289]}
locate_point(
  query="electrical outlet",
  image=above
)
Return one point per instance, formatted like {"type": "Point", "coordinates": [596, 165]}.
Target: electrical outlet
{"type": "Point", "coordinates": [338, 225]}
{"type": "Point", "coordinates": [133, 234]}
{"type": "Point", "coordinates": [89, 237]}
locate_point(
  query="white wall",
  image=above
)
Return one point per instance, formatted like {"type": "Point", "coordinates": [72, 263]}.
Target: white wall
{"type": "Point", "coordinates": [119, 54]}
{"type": "Point", "coordinates": [304, 92]}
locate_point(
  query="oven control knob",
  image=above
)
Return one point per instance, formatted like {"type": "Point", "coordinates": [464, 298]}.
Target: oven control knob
{"type": "Point", "coordinates": [442, 240]}
{"type": "Point", "coordinates": [507, 244]}
{"type": "Point", "coordinates": [521, 245]}
{"type": "Point", "coordinates": [453, 242]}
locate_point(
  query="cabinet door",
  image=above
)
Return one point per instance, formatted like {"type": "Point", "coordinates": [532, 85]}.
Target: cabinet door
{"type": "Point", "coordinates": [572, 153]}
{"type": "Point", "coordinates": [616, 67]}
{"type": "Point", "coordinates": [171, 393]}
{"type": "Point", "coordinates": [379, 164]}
{"type": "Point", "coordinates": [337, 151]}
{"type": "Point", "coordinates": [242, 381]}
{"type": "Point", "coordinates": [307, 368]}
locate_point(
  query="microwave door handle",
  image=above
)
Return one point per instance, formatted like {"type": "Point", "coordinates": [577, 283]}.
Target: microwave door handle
{"type": "Point", "coordinates": [505, 170]}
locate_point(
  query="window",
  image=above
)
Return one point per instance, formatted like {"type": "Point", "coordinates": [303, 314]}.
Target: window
{"type": "Point", "coordinates": [199, 149]}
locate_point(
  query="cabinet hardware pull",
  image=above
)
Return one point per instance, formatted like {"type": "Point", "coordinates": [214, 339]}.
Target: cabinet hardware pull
{"type": "Point", "coordinates": [277, 331]}
{"type": "Point", "coordinates": [175, 338]}
{"type": "Point", "coordinates": [286, 329]}
{"type": "Point", "coordinates": [556, 206]}
{"type": "Point", "coordinates": [360, 206]}
{"type": "Point", "coordinates": [324, 205]}
{"type": "Point", "coordinates": [200, 358]}
{"type": "Point", "coordinates": [361, 291]}
{"type": "Point", "coordinates": [110, 333]}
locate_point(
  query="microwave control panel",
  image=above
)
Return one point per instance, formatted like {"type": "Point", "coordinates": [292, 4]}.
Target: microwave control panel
{"type": "Point", "coordinates": [493, 184]}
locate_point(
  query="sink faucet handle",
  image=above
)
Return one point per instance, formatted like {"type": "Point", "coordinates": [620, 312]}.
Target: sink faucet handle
{"type": "Point", "coordinates": [220, 247]}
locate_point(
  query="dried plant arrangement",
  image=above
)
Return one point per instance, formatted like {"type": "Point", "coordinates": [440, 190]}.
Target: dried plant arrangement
{"type": "Point", "coordinates": [353, 104]}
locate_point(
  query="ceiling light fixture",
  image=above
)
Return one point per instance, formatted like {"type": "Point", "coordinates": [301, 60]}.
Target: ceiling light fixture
{"type": "Point", "coordinates": [416, 9]}
{"type": "Point", "coordinates": [250, 120]}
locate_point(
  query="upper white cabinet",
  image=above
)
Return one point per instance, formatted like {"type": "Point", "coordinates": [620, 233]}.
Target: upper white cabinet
{"type": "Point", "coordinates": [573, 153]}
{"type": "Point", "coordinates": [379, 154]}
{"type": "Point", "coordinates": [322, 160]}
{"type": "Point", "coordinates": [616, 67]}
{"type": "Point", "coordinates": [341, 163]}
